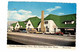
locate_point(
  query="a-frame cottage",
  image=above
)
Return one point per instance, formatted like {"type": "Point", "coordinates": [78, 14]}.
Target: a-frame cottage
{"type": "Point", "coordinates": [66, 23]}
{"type": "Point", "coordinates": [50, 27]}
{"type": "Point", "coordinates": [32, 23]}
{"type": "Point", "coordinates": [19, 25]}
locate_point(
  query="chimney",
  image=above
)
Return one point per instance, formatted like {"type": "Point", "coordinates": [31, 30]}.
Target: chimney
{"type": "Point", "coordinates": [42, 22]}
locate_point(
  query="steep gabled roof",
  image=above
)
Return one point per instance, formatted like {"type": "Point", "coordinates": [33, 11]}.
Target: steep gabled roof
{"type": "Point", "coordinates": [14, 24]}
{"type": "Point", "coordinates": [60, 19]}
{"type": "Point", "coordinates": [20, 23]}
{"type": "Point", "coordinates": [68, 18]}
{"type": "Point", "coordinates": [34, 21]}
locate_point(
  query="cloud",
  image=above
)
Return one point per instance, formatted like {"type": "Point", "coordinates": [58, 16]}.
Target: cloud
{"type": "Point", "coordinates": [24, 11]}
{"type": "Point", "coordinates": [60, 13]}
{"type": "Point", "coordinates": [20, 15]}
{"type": "Point", "coordinates": [52, 9]}
{"type": "Point", "coordinates": [46, 15]}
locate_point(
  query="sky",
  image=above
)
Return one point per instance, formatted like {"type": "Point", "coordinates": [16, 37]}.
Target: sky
{"type": "Point", "coordinates": [20, 11]}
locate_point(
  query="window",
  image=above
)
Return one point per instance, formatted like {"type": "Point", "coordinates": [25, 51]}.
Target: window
{"type": "Point", "coordinates": [54, 29]}
{"type": "Point", "coordinates": [17, 25]}
{"type": "Point", "coordinates": [28, 24]}
{"type": "Point", "coordinates": [47, 29]}
{"type": "Point", "coordinates": [46, 22]}
{"type": "Point", "coordinates": [69, 22]}
{"type": "Point", "coordinates": [39, 29]}
{"type": "Point", "coordinates": [72, 22]}
{"type": "Point", "coordinates": [46, 26]}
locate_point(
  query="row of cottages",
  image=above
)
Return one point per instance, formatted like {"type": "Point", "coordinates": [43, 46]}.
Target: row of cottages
{"type": "Point", "coordinates": [51, 27]}
{"type": "Point", "coordinates": [18, 25]}
{"type": "Point", "coordinates": [52, 23]}
{"type": "Point", "coordinates": [57, 24]}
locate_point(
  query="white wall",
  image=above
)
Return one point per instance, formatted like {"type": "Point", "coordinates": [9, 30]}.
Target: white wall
{"type": "Point", "coordinates": [29, 22]}
{"type": "Point", "coordinates": [51, 25]}
{"type": "Point", "coordinates": [11, 27]}
{"type": "Point", "coordinates": [16, 27]}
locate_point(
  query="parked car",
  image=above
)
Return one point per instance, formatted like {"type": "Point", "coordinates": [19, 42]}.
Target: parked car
{"type": "Point", "coordinates": [24, 31]}
{"type": "Point", "coordinates": [59, 33]}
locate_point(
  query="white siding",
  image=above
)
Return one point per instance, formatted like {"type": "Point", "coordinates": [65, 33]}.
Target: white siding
{"type": "Point", "coordinates": [17, 26]}
{"type": "Point", "coordinates": [51, 25]}
{"type": "Point", "coordinates": [11, 27]}
{"type": "Point", "coordinates": [29, 22]}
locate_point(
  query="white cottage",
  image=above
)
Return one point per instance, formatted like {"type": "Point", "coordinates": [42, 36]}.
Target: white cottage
{"type": "Point", "coordinates": [29, 25]}
{"type": "Point", "coordinates": [11, 27]}
{"type": "Point", "coordinates": [50, 26]}
{"type": "Point", "coordinates": [32, 24]}
{"type": "Point", "coordinates": [17, 26]}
